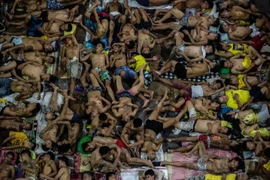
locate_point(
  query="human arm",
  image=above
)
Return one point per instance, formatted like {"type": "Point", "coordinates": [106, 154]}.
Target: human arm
{"type": "Point", "coordinates": [47, 128]}
{"type": "Point", "coordinates": [248, 129]}
{"type": "Point", "coordinates": [8, 139]}
{"type": "Point", "coordinates": [107, 62]}
{"type": "Point", "coordinates": [86, 57]}
{"type": "Point", "coordinates": [108, 104]}
{"type": "Point", "coordinates": [214, 92]}
{"type": "Point", "coordinates": [32, 169]}
{"type": "Point", "coordinates": [236, 98]}
{"type": "Point", "coordinates": [226, 55]}
{"type": "Point", "coordinates": [114, 110]}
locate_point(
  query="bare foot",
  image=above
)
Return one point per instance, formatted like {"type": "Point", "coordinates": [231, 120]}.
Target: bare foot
{"type": "Point", "coordinates": [155, 14]}
{"type": "Point", "coordinates": [78, 19]}
{"type": "Point", "coordinates": [148, 109]}
{"type": "Point", "coordinates": [146, 103]}
{"type": "Point", "coordinates": [170, 151]}
{"type": "Point", "coordinates": [115, 102]}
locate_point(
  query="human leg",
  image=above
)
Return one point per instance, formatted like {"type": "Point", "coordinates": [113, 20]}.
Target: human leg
{"type": "Point", "coordinates": [181, 149]}
{"type": "Point", "coordinates": [110, 91]}
{"type": "Point", "coordinates": [12, 65]}
{"type": "Point", "coordinates": [154, 114]}
{"type": "Point", "coordinates": [169, 66]}
{"type": "Point", "coordinates": [136, 161]}
{"type": "Point", "coordinates": [53, 103]}
{"type": "Point", "coordinates": [135, 89]}
{"type": "Point", "coordinates": [176, 13]}
{"type": "Point", "coordinates": [111, 32]}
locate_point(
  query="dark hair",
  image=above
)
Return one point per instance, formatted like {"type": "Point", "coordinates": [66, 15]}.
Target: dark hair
{"type": "Point", "coordinates": [44, 147]}
{"type": "Point", "coordinates": [31, 125]}
{"type": "Point", "coordinates": [222, 64]}
{"type": "Point", "coordinates": [27, 152]}
{"type": "Point", "coordinates": [102, 116]}
{"type": "Point", "coordinates": [106, 125]}
{"type": "Point", "coordinates": [267, 152]}
{"type": "Point", "coordinates": [63, 148]}
{"type": "Point", "coordinates": [104, 150]}
{"type": "Point", "coordinates": [216, 23]}
{"type": "Point", "coordinates": [69, 27]}
{"type": "Point", "coordinates": [228, 81]}
{"type": "Point", "coordinates": [216, 68]}
{"type": "Point", "coordinates": [95, 41]}
{"type": "Point", "coordinates": [109, 174]}
{"type": "Point", "coordinates": [84, 146]}
{"type": "Point", "coordinates": [137, 122]}
{"type": "Point", "coordinates": [53, 79]}
{"type": "Point", "coordinates": [229, 131]}
{"type": "Point", "coordinates": [149, 172]}
{"type": "Point", "coordinates": [131, 45]}
{"type": "Point", "coordinates": [34, 145]}
{"type": "Point", "coordinates": [241, 164]}
{"type": "Point", "coordinates": [213, 49]}
{"type": "Point", "coordinates": [37, 108]}
{"type": "Point", "coordinates": [64, 159]}
{"type": "Point", "coordinates": [146, 55]}
{"type": "Point", "coordinates": [218, 81]}
{"type": "Point", "coordinates": [102, 44]}
{"type": "Point", "coordinates": [221, 29]}
{"type": "Point", "coordinates": [210, 3]}
{"type": "Point", "coordinates": [134, 53]}
{"type": "Point", "coordinates": [220, 47]}
{"type": "Point", "coordinates": [244, 145]}
{"type": "Point", "coordinates": [10, 153]}
{"type": "Point", "coordinates": [51, 154]}
{"type": "Point", "coordinates": [222, 10]}
{"type": "Point", "coordinates": [53, 61]}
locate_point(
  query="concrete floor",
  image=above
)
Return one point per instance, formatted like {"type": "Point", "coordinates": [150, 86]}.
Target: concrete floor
{"type": "Point", "coordinates": [263, 5]}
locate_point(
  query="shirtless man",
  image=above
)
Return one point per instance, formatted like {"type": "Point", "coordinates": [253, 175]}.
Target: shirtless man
{"type": "Point", "coordinates": [102, 23]}
{"type": "Point", "coordinates": [15, 125]}
{"type": "Point", "coordinates": [71, 62]}
{"type": "Point", "coordinates": [236, 32]}
{"type": "Point", "coordinates": [118, 60]}
{"type": "Point", "coordinates": [125, 98]}
{"type": "Point", "coordinates": [217, 165]}
{"type": "Point", "coordinates": [189, 71]}
{"type": "Point", "coordinates": [64, 171]}
{"type": "Point", "coordinates": [49, 168]}
{"type": "Point", "coordinates": [28, 43]}
{"type": "Point", "coordinates": [236, 13]}
{"type": "Point", "coordinates": [25, 90]}
{"type": "Point", "coordinates": [218, 141]}
{"type": "Point", "coordinates": [242, 65]}
{"type": "Point", "coordinates": [6, 168]}
{"type": "Point", "coordinates": [28, 166]}
{"type": "Point", "coordinates": [20, 110]}
{"type": "Point", "coordinates": [100, 63]}
{"type": "Point", "coordinates": [101, 119]}
{"type": "Point", "coordinates": [102, 147]}
{"type": "Point", "coordinates": [133, 131]}
{"type": "Point", "coordinates": [146, 42]}
{"type": "Point", "coordinates": [243, 81]}
{"type": "Point", "coordinates": [128, 33]}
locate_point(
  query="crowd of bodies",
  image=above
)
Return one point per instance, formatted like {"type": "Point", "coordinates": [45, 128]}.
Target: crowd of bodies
{"type": "Point", "coordinates": [123, 39]}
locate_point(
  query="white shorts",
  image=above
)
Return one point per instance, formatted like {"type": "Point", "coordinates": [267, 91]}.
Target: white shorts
{"type": "Point", "coordinates": [192, 113]}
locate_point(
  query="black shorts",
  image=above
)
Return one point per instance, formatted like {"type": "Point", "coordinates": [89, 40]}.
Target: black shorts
{"type": "Point", "coordinates": [186, 38]}
{"type": "Point", "coordinates": [256, 93]}
{"type": "Point", "coordinates": [44, 16]}
{"type": "Point", "coordinates": [180, 71]}
{"type": "Point", "coordinates": [153, 125]}
{"type": "Point", "coordinates": [3, 135]}
{"type": "Point", "coordinates": [144, 25]}
{"type": "Point", "coordinates": [143, 2]}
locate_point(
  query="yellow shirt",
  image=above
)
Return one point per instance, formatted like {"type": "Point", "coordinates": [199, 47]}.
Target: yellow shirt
{"type": "Point", "coordinates": [20, 137]}
{"type": "Point", "coordinates": [263, 131]}
{"type": "Point", "coordinates": [218, 177]}
{"type": "Point", "coordinates": [250, 119]}
{"type": "Point", "coordinates": [241, 83]}
{"type": "Point", "coordinates": [242, 94]}
{"type": "Point", "coordinates": [267, 166]}
{"type": "Point", "coordinates": [140, 62]}
{"type": "Point", "coordinates": [246, 62]}
{"type": "Point", "coordinates": [237, 48]}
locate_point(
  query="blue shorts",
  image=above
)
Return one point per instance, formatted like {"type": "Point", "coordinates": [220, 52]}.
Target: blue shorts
{"type": "Point", "coordinates": [54, 5]}
{"type": "Point", "coordinates": [35, 23]}
{"type": "Point", "coordinates": [76, 118]}
{"type": "Point", "coordinates": [129, 72]}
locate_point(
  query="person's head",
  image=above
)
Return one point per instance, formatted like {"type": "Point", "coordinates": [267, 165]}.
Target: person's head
{"type": "Point", "coordinates": [224, 28]}
{"type": "Point", "coordinates": [87, 176]}
{"type": "Point", "coordinates": [48, 48]}
{"type": "Point", "coordinates": [50, 116]}
{"type": "Point", "coordinates": [224, 130]}
{"type": "Point", "coordinates": [49, 156]}
{"type": "Point", "coordinates": [130, 44]}
{"type": "Point", "coordinates": [217, 84]}
{"type": "Point", "coordinates": [214, 106]}
{"type": "Point", "coordinates": [102, 116]}
{"type": "Point", "coordinates": [151, 155]}
{"type": "Point", "coordinates": [236, 164]}
{"type": "Point", "coordinates": [233, 143]}
{"type": "Point", "coordinates": [26, 155]}
{"type": "Point", "coordinates": [137, 122]}
{"type": "Point", "coordinates": [62, 161]}
{"type": "Point", "coordinates": [9, 156]}
{"type": "Point", "coordinates": [224, 13]}
{"type": "Point", "coordinates": [249, 146]}
{"type": "Point", "coordinates": [226, 64]}
{"type": "Point", "coordinates": [26, 125]}
{"type": "Point", "coordinates": [149, 174]}
{"type": "Point", "coordinates": [99, 47]}
{"type": "Point", "coordinates": [212, 36]}
{"type": "Point", "coordinates": [110, 176]}
{"type": "Point", "coordinates": [214, 67]}
{"type": "Point", "coordinates": [66, 27]}
{"type": "Point", "coordinates": [49, 59]}
{"type": "Point", "coordinates": [209, 49]}
{"type": "Point", "coordinates": [116, 48]}
{"type": "Point", "coordinates": [223, 46]}
{"type": "Point", "coordinates": [47, 145]}
{"type": "Point", "coordinates": [242, 176]}
{"type": "Point", "coordinates": [207, 4]}
{"type": "Point", "coordinates": [63, 146]}
{"type": "Point", "coordinates": [104, 150]}
{"type": "Point", "coordinates": [223, 5]}
{"type": "Point", "coordinates": [88, 146]}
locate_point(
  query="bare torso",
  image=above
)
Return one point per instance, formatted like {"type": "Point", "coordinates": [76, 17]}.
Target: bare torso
{"type": "Point", "coordinates": [193, 51]}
